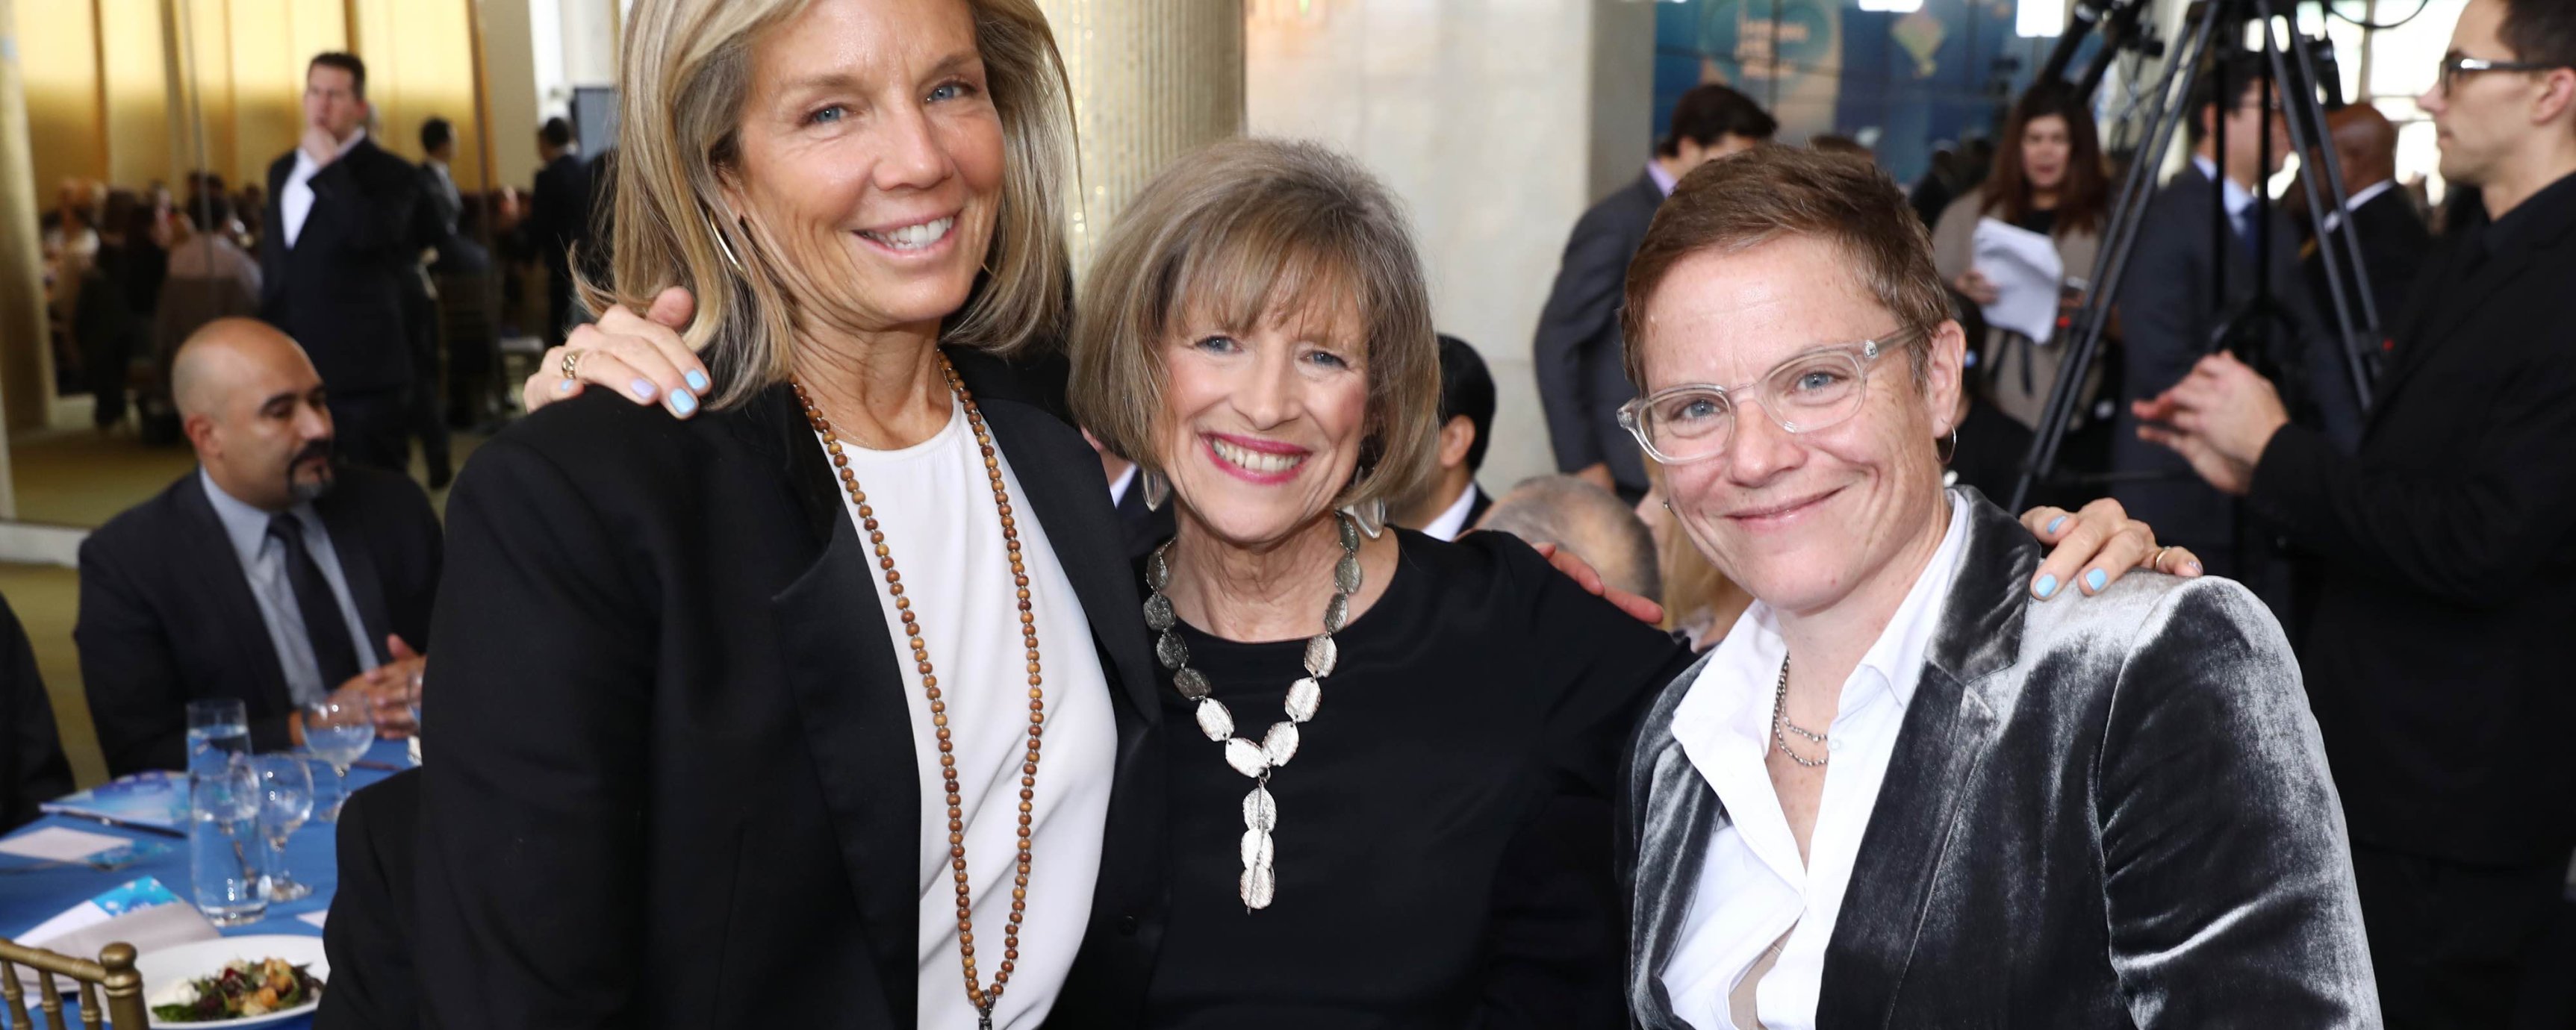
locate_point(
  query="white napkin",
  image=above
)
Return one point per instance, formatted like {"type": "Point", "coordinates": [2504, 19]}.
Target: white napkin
{"type": "Point", "coordinates": [58, 844]}
{"type": "Point", "coordinates": [85, 930]}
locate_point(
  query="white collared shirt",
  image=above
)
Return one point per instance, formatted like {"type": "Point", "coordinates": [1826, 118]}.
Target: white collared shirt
{"type": "Point", "coordinates": [1453, 521]}
{"type": "Point", "coordinates": [1753, 888]}
{"type": "Point", "coordinates": [2239, 199]}
{"type": "Point", "coordinates": [2334, 219]}
{"type": "Point", "coordinates": [1118, 487]}
{"type": "Point", "coordinates": [295, 202]}
{"type": "Point", "coordinates": [1664, 180]}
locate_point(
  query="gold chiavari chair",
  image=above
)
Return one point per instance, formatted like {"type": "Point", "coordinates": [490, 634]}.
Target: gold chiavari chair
{"type": "Point", "coordinates": [113, 973]}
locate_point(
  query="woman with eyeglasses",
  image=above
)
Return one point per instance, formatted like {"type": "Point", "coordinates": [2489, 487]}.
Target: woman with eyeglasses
{"type": "Point", "coordinates": [1902, 792]}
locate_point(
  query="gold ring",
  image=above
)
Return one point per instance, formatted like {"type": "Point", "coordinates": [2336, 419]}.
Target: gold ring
{"type": "Point", "coordinates": [2156, 561]}
{"type": "Point", "coordinates": [571, 363]}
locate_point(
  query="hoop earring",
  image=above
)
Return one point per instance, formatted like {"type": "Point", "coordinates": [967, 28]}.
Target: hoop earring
{"type": "Point", "coordinates": [1953, 452]}
{"type": "Point", "coordinates": [723, 247]}
{"type": "Point", "coordinates": [1158, 490]}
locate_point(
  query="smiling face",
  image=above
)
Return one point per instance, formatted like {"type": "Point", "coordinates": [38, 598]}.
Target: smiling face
{"type": "Point", "coordinates": [2046, 149]}
{"type": "Point", "coordinates": [1801, 520]}
{"type": "Point", "coordinates": [1262, 430]}
{"type": "Point", "coordinates": [870, 161]}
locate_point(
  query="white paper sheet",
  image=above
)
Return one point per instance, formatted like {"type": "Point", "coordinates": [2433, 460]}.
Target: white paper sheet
{"type": "Point", "coordinates": [2027, 274]}
{"type": "Point", "coordinates": [57, 844]}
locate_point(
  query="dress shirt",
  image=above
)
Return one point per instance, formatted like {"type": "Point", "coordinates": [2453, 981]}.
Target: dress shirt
{"type": "Point", "coordinates": [1753, 888]}
{"type": "Point", "coordinates": [1118, 488]}
{"type": "Point", "coordinates": [2239, 199]}
{"type": "Point", "coordinates": [1453, 521]}
{"type": "Point", "coordinates": [263, 562]}
{"type": "Point", "coordinates": [295, 202]}
{"type": "Point", "coordinates": [2334, 219]}
{"type": "Point", "coordinates": [1664, 180]}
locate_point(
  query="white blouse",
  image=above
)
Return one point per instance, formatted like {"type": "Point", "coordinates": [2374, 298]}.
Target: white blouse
{"type": "Point", "coordinates": [935, 506]}
{"type": "Point", "coordinates": [1753, 888]}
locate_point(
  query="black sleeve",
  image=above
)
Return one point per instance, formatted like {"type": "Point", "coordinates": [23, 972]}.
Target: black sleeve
{"type": "Point", "coordinates": [532, 808]}
{"type": "Point", "coordinates": [1582, 313]}
{"type": "Point", "coordinates": [32, 768]}
{"type": "Point", "coordinates": [368, 935]}
{"type": "Point", "coordinates": [136, 699]}
{"type": "Point", "coordinates": [1559, 927]}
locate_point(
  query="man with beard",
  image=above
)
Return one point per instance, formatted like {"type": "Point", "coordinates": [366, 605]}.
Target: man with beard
{"type": "Point", "coordinates": [267, 574]}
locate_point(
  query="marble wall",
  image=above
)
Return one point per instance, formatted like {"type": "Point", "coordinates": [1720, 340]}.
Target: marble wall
{"type": "Point", "coordinates": [1496, 121]}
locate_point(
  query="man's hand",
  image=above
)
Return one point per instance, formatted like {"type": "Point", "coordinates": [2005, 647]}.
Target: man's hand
{"type": "Point", "coordinates": [1598, 474]}
{"type": "Point", "coordinates": [2219, 418]}
{"type": "Point", "coordinates": [393, 689]}
{"type": "Point", "coordinates": [320, 145]}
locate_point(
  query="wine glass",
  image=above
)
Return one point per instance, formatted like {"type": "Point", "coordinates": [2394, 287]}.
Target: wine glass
{"type": "Point", "coordinates": [339, 732]}
{"type": "Point", "coordinates": [285, 801]}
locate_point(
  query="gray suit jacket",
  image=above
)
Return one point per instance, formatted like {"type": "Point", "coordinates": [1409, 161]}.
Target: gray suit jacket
{"type": "Point", "coordinates": [2102, 812]}
{"type": "Point", "coordinates": [1577, 354]}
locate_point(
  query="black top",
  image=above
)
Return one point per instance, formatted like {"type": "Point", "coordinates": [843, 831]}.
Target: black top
{"type": "Point", "coordinates": [1443, 847]}
{"type": "Point", "coordinates": [2043, 222]}
{"type": "Point", "coordinates": [2436, 656]}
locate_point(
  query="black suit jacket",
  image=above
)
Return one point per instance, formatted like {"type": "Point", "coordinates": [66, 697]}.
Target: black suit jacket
{"type": "Point", "coordinates": [368, 937]}
{"type": "Point", "coordinates": [1582, 375]}
{"type": "Point", "coordinates": [2168, 316]}
{"type": "Point", "coordinates": [167, 616]}
{"type": "Point", "coordinates": [2394, 242]}
{"type": "Point", "coordinates": [1144, 528]}
{"type": "Point", "coordinates": [32, 768]}
{"type": "Point", "coordinates": [339, 290]}
{"type": "Point", "coordinates": [672, 780]}
{"type": "Point", "coordinates": [559, 207]}
{"type": "Point", "coordinates": [2100, 812]}
{"type": "Point", "coordinates": [2437, 651]}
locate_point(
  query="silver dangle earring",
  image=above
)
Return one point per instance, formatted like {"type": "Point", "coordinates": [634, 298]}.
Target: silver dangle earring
{"type": "Point", "coordinates": [1370, 515]}
{"type": "Point", "coordinates": [1158, 490]}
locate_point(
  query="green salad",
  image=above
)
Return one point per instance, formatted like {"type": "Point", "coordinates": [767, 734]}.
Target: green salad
{"type": "Point", "coordinates": [244, 988]}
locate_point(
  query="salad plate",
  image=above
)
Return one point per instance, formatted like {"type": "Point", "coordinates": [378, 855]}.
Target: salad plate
{"type": "Point", "coordinates": [171, 976]}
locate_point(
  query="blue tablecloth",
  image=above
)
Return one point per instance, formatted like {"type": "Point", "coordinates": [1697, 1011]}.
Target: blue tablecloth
{"type": "Point", "coordinates": [28, 898]}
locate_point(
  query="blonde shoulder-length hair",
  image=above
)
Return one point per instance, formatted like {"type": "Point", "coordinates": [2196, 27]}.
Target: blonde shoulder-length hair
{"type": "Point", "coordinates": [1240, 233]}
{"type": "Point", "coordinates": [684, 76]}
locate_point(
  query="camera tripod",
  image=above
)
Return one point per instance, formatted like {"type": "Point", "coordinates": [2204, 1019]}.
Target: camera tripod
{"type": "Point", "coordinates": [2290, 66]}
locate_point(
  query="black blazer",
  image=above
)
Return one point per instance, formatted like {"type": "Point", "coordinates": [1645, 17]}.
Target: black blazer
{"type": "Point", "coordinates": [672, 779]}
{"type": "Point", "coordinates": [1145, 528]}
{"type": "Point", "coordinates": [2168, 317]}
{"type": "Point", "coordinates": [167, 616]}
{"type": "Point", "coordinates": [2394, 242]}
{"type": "Point", "coordinates": [2105, 811]}
{"type": "Point", "coordinates": [368, 937]}
{"type": "Point", "coordinates": [32, 768]}
{"type": "Point", "coordinates": [339, 290]}
{"type": "Point", "coordinates": [1582, 375]}
{"type": "Point", "coordinates": [2437, 651]}
{"type": "Point", "coordinates": [559, 208]}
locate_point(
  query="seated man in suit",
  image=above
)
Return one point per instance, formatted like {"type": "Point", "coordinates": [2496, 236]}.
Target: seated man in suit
{"type": "Point", "coordinates": [266, 574]}
{"type": "Point", "coordinates": [1452, 503]}
{"type": "Point", "coordinates": [2391, 232]}
{"type": "Point", "coordinates": [1590, 522]}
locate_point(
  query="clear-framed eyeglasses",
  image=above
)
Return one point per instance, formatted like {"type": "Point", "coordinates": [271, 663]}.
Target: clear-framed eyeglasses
{"type": "Point", "coordinates": [1815, 390]}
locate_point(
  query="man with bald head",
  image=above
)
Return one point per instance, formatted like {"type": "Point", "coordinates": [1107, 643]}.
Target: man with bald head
{"type": "Point", "coordinates": [2391, 232]}
{"type": "Point", "coordinates": [268, 574]}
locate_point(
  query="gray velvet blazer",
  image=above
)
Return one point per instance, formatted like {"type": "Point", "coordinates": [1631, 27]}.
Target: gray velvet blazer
{"type": "Point", "coordinates": [2105, 811]}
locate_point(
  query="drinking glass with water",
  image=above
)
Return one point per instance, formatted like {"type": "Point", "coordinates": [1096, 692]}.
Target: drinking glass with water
{"type": "Point", "coordinates": [224, 860]}
{"type": "Point", "coordinates": [339, 732]}
{"type": "Point", "coordinates": [285, 801]}
{"type": "Point", "coordinates": [218, 728]}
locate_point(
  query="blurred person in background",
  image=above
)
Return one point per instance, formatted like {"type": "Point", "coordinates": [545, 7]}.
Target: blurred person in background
{"type": "Point", "coordinates": [2446, 549]}
{"type": "Point", "coordinates": [1700, 603]}
{"type": "Point", "coordinates": [1452, 502]}
{"type": "Point", "coordinates": [1586, 521]}
{"type": "Point", "coordinates": [105, 319]}
{"type": "Point", "coordinates": [338, 257]}
{"type": "Point", "coordinates": [210, 277]}
{"type": "Point", "coordinates": [1576, 352]}
{"type": "Point", "coordinates": [264, 574]}
{"type": "Point", "coordinates": [2051, 181]}
{"type": "Point", "coordinates": [32, 767]}
{"type": "Point", "coordinates": [558, 219]}
{"type": "Point", "coordinates": [2385, 220]}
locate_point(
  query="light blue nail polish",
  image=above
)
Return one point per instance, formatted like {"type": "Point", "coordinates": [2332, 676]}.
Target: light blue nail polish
{"type": "Point", "coordinates": [2053, 524]}
{"type": "Point", "coordinates": [697, 380]}
{"type": "Point", "coordinates": [643, 388]}
{"type": "Point", "coordinates": [2097, 579]}
{"type": "Point", "coordinates": [2047, 587]}
{"type": "Point", "coordinates": [565, 386]}
{"type": "Point", "coordinates": [684, 402]}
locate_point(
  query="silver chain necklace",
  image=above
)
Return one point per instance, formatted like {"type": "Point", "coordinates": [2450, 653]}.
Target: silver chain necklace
{"type": "Point", "coordinates": [1255, 759]}
{"type": "Point", "coordinates": [1780, 722]}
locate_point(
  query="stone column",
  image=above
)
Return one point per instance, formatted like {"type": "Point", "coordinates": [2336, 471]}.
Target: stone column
{"type": "Point", "coordinates": [1152, 80]}
{"type": "Point", "coordinates": [26, 369]}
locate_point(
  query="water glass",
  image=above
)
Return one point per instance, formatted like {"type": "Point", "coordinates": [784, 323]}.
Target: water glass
{"type": "Point", "coordinates": [224, 862]}
{"type": "Point", "coordinates": [218, 728]}
{"type": "Point", "coordinates": [285, 802]}
{"type": "Point", "coordinates": [339, 732]}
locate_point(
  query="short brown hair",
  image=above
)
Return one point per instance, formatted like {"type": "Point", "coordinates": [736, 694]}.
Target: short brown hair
{"type": "Point", "coordinates": [1240, 233]}
{"type": "Point", "coordinates": [346, 62]}
{"type": "Point", "coordinates": [2540, 31]}
{"type": "Point", "coordinates": [683, 78]}
{"type": "Point", "coordinates": [1737, 203]}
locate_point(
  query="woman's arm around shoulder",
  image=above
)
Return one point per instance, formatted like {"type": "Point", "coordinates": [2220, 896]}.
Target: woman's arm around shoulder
{"type": "Point", "coordinates": [2227, 872]}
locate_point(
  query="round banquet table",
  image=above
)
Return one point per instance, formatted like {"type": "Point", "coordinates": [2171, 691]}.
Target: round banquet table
{"type": "Point", "coordinates": [31, 892]}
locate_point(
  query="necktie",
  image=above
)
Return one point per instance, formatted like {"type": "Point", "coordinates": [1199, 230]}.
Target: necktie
{"type": "Point", "coordinates": [333, 652]}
